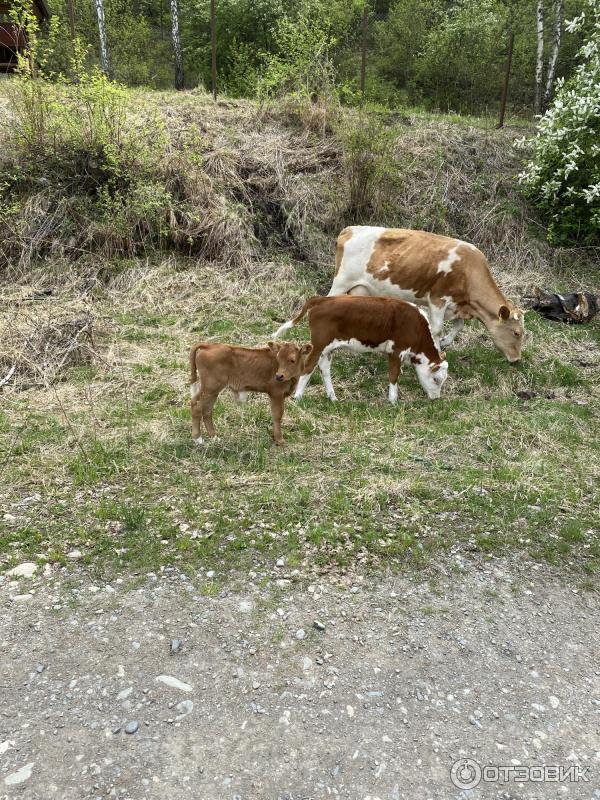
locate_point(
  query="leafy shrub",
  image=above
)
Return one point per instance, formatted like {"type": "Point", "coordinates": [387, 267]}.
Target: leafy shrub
{"type": "Point", "coordinates": [563, 177]}
{"type": "Point", "coordinates": [369, 168]}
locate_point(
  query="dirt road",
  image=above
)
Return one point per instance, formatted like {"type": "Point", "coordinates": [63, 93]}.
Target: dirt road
{"type": "Point", "coordinates": [294, 689]}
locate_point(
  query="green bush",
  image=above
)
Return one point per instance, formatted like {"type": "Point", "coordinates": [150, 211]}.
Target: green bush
{"type": "Point", "coordinates": [563, 177]}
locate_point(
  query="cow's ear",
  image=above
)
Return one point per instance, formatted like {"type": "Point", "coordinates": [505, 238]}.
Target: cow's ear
{"type": "Point", "coordinates": [442, 356]}
{"type": "Point", "coordinates": [306, 349]}
{"type": "Point", "coordinates": [434, 367]}
{"type": "Point", "coordinates": [504, 313]}
{"type": "Point", "coordinates": [274, 346]}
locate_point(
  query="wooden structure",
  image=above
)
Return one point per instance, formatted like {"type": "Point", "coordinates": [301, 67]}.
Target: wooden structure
{"type": "Point", "coordinates": [11, 39]}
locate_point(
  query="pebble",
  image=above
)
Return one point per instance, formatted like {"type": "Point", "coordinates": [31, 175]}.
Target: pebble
{"type": "Point", "coordinates": [554, 701]}
{"type": "Point", "coordinates": [20, 776]}
{"type": "Point", "coordinates": [210, 573]}
{"type": "Point", "coordinates": [40, 668]}
{"type": "Point", "coordinates": [318, 625]}
{"type": "Point", "coordinates": [184, 708]}
{"type": "Point", "coordinates": [174, 683]}
{"type": "Point", "coordinates": [280, 562]}
{"type": "Point", "coordinates": [307, 663]}
{"type": "Point", "coordinates": [25, 570]}
{"type": "Point", "coordinates": [20, 598]}
{"type": "Point", "coordinates": [124, 693]}
{"type": "Point", "coordinates": [132, 727]}
{"type": "Point", "coordinates": [300, 633]}
{"type": "Point", "coordinates": [75, 555]}
{"type": "Point", "coordinates": [175, 646]}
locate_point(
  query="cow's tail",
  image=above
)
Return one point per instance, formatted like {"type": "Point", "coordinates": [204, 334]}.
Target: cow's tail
{"type": "Point", "coordinates": [312, 301]}
{"type": "Point", "coordinates": [194, 384]}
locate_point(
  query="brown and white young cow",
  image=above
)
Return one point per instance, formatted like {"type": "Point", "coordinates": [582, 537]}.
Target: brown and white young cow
{"type": "Point", "coordinates": [273, 370]}
{"type": "Point", "coordinates": [451, 278]}
{"type": "Point", "coordinates": [371, 324]}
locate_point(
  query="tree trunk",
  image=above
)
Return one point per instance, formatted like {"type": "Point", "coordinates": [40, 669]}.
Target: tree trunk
{"type": "Point", "coordinates": [509, 56]}
{"type": "Point", "coordinates": [71, 10]}
{"type": "Point", "coordinates": [539, 63]}
{"type": "Point", "coordinates": [176, 46]}
{"type": "Point", "coordinates": [102, 32]}
{"type": "Point", "coordinates": [558, 18]}
{"type": "Point", "coordinates": [213, 48]}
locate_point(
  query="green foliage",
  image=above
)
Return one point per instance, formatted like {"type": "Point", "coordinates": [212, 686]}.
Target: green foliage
{"type": "Point", "coordinates": [370, 170]}
{"type": "Point", "coordinates": [563, 177]}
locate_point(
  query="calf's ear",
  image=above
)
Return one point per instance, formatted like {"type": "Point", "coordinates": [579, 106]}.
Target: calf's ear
{"type": "Point", "coordinates": [306, 349]}
{"type": "Point", "coordinates": [274, 346]}
{"type": "Point", "coordinates": [504, 313]}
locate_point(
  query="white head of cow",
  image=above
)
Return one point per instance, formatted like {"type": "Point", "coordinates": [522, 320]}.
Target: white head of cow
{"type": "Point", "coordinates": [507, 331]}
{"type": "Point", "coordinates": [431, 375]}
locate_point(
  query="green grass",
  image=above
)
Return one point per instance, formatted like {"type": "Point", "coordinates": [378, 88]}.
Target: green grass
{"type": "Point", "coordinates": [358, 485]}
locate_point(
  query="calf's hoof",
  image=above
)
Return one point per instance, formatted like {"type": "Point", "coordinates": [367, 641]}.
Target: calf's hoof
{"type": "Point", "coordinates": [198, 441]}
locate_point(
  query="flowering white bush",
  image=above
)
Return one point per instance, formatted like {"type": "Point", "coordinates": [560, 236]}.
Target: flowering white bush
{"type": "Point", "coordinates": [563, 177]}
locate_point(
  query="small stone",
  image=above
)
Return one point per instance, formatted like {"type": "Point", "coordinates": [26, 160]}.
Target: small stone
{"type": "Point", "coordinates": [280, 562]}
{"type": "Point", "coordinates": [132, 727]}
{"type": "Point", "coordinates": [300, 633]}
{"type": "Point", "coordinates": [306, 663]}
{"type": "Point", "coordinates": [554, 701]}
{"type": "Point", "coordinates": [175, 646]}
{"type": "Point", "coordinates": [124, 693]}
{"type": "Point", "coordinates": [255, 685]}
{"type": "Point", "coordinates": [318, 625]}
{"type": "Point", "coordinates": [20, 776]}
{"type": "Point", "coordinates": [210, 574]}
{"type": "Point", "coordinates": [40, 668]}
{"type": "Point", "coordinates": [117, 729]}
{"type": "Point", "coordinates": [184, 708]}
{"type": "Point", "coordinates": [419, 695]}
{"type": "Point", "coordinates": [21, 598]}
{"type": "Point", "coordinates": [174, 683]}
{"type": "Point", "coordinates": [25, 570]}
{"type": "Point", "coordinates": [75, 555]}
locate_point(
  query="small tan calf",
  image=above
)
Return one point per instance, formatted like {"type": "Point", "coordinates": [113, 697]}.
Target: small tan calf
{"type": "Point", "coordinates": [273, 370]}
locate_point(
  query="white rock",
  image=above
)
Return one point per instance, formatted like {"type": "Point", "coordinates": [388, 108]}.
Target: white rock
{"type": "Point", "coordinates": [350, 711]}
{"type": "Point", "coordinates": [20, 776]}
{"type": "Point", "coordinates": [25, 570]}
{"type": "Point", "coordinates": [554, 701]}
{"type": "Point", "coordinates": [19, 598]}
{"type": "Point", "coordinates": [5, 745]}
{"type": "Point", "coordinates": [75, 555]}
{"type": "Point", "coordinates": [300, 634]}
{"type": "Point", "coordinates": [124, 694]}
{"type": "Point", "coordinates": [185, 707]}
{"type": "Point", "coordinates": [245, 606]}
{"type": "Point", "coordinates": [210, 573]}
{"type": "Point", "coordinates": [307, 663]}
{"type": "Point", "coordinates": [174, 683]}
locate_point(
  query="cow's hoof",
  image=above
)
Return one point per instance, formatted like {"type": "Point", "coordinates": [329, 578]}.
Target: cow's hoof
{"type": "Point", "coordinates": [199, 441]}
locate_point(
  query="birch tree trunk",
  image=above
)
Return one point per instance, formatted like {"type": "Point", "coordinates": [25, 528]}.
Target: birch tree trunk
{"type": "Point", "coordinates": [102, 32]}
{"type": "Point", "coordinates": [539, 63]}
{"type": "Point", "coordinates": [176, 46]}
{"type": "Point", "coordinates": [558, 18]}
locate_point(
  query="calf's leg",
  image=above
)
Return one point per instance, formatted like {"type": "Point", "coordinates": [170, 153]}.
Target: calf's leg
{"type": "Point", "coordinates": [325, 367]}
{"type": "Point", "coordinates": [309, 366]}
{"type": "Point", "coordinates": [196, 417]}
{"type": "Point", "coordinates": [277, 414]}
{"type": "Point", "coordinates": [394, 370]}
{"type": "Point", "coordinates": [207, 402]}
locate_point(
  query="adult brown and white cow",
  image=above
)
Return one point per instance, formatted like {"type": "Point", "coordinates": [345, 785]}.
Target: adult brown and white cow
{"type": "Point", "coordinates": [371, 325]}
{"type": "Point", "coordinates": [449, 277]}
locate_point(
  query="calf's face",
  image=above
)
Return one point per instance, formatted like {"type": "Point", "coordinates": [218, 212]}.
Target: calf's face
{"type": "Point", "coordinates": [507, 332]}
{"type": "Point", "coordinates": [432, 376]}
{"type": "Point", "coordinates": [290, 359]}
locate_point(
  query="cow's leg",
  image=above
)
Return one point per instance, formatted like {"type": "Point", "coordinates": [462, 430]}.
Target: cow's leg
{"type": "Point", "coordinates": [436, 320]}
{"type": "Point", "coordinates": [457, 326]}
{"type": "Point", "coordinates": [277, 414]}
{"type": "Point", "coordinates": [325, 367]}
{"type": "Point", "coordinates": [394, 370]}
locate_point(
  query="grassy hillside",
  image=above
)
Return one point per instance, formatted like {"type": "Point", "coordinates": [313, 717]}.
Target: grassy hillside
{"type": "Point", "coordinates": [95, 424]}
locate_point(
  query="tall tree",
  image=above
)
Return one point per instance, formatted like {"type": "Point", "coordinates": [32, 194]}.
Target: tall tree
{"type": "Point", "coordinates": [176, 46]}
{"type": "Point", "coordinates": [71, 11]}
{"type": "Point", "coordinates": [102, 33]}
{"type": "Point", "coordinates": [539, 62]}
{"type": "Point", "coordinates": [558, 20]}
